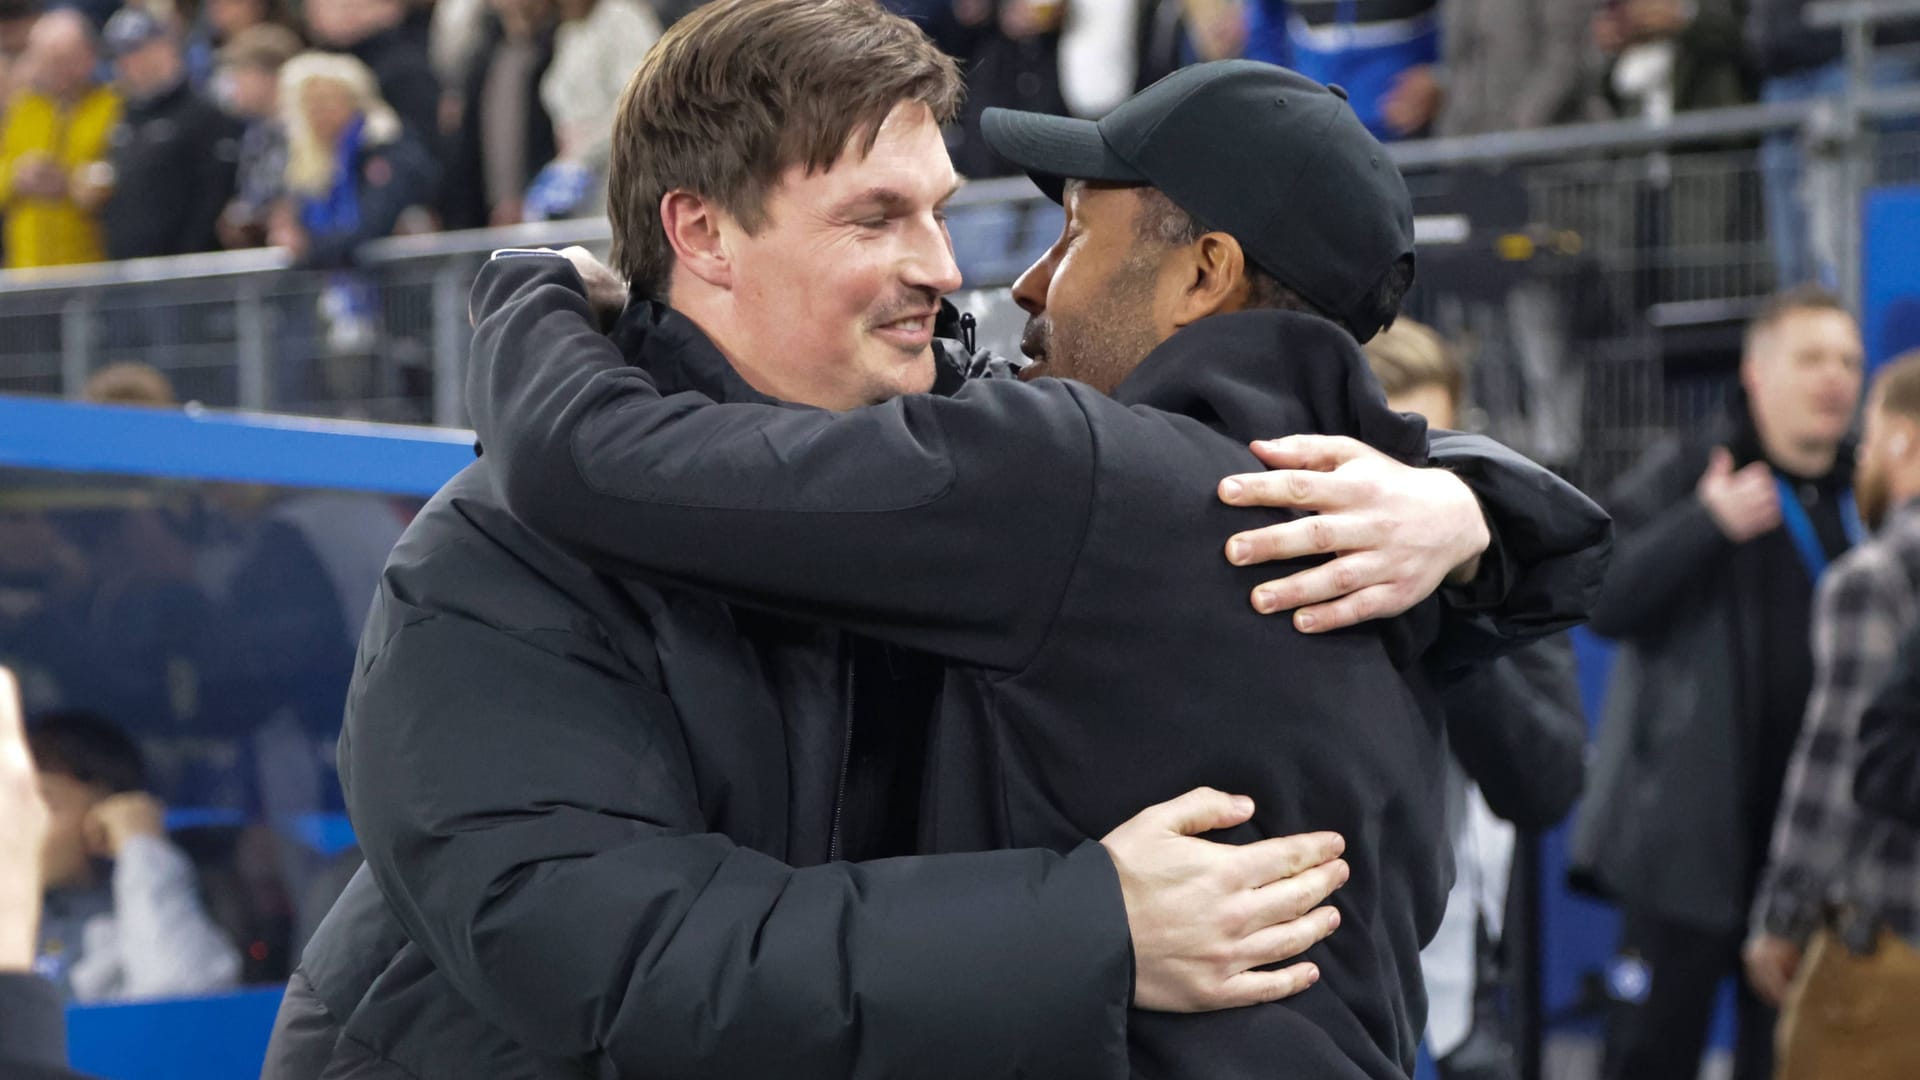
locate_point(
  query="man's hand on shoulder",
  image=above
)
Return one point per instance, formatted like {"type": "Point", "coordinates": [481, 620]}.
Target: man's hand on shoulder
{"type": "Point", "coordinates": [1205, 916]}
{"type": "Point", "coordinates": [1398, 532]}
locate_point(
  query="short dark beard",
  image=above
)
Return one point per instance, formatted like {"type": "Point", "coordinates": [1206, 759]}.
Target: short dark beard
{"type": "Point", "coordinates": [1102, 346]}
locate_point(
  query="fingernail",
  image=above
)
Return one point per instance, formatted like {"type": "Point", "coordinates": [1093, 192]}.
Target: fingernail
{"type": "Point", "coordinates": [1238, 551]}
{"type": "Point", "coordinates": [1264, 602]}
{"type": "Point", "coordinates": [1231, 489]}
{"type": "Point", "coordinates": [1333, 921]}
{"type": "Point", "coordinates": [1266, 446]}
{"type": "Point", "coordinates": [1306, 621]}
{"type": "Point", "coordinates": [1313, 975]}
{"type": "Point", "coordinates": [1242, 804]}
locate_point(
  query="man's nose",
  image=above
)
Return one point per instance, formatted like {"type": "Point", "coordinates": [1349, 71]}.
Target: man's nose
{"type": "Point", "coordinates": [933, 266]}
{"type": "Point", "coordinates": [1030, 291]}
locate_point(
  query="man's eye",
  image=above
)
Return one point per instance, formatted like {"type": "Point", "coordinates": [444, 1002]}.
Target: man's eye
{"type": "Point", "coordinates": [872, 223]}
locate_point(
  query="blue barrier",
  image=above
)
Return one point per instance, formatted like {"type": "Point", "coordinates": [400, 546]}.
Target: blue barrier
{"type": "Point", "coordinates": [1890, 294]}
{"type": "Point", "coordinates": [210, 1038]}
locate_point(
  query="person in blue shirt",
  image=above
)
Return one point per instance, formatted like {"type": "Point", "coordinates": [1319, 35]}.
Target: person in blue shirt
{"type": "Point", "coordinates": [1362, 46]}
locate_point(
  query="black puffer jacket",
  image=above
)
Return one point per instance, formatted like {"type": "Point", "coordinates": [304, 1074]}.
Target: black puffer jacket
{"type": "Point", "coordinates": [1061, 550]}
{"type": "Point", "coordinates": [600, 813]}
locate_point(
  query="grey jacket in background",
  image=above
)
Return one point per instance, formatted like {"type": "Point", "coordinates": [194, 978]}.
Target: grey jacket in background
{"type": "Point", "coordinates": [1512, 65]}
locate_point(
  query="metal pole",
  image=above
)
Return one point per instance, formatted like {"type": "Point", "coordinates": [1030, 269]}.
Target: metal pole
{"type": "Point", "coordinates": [1856, 156]}
{"type": "Point", "coordinates": [250, 346]}
{"type": "Point", "coordinates": [76, 342]}
{"type": "Point", "coordinates": [450, 333]}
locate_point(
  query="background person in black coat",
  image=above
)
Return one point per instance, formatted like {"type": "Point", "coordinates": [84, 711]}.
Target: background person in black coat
{"type": "Point", "coordinates": [174, 153]}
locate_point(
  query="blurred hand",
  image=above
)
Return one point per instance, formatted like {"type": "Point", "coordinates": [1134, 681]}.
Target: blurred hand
{"type": "Point", "coordinates": [285, 231]}
{"type": "Point", "coordinates": [38, 176]}
{"type": "Point", "coordinates": [1655, 20]}
{"type": "Point", "coordinates": [1030, 18]}
{"type": "Point", "coordinates": [1771, 964]}
{"type": "Point", "coordinates": [25, 832]}
{"type": "Point", "coordinates": [91, 186]}
{"type": "Point", "coordinates": [1744, 504]}
{"type": "Point", "coordinates": [1399, 532]}
{"type": "Point", "coordinates": [506, 212]}
{"type": "Point", "coordinates": [118, 818]}
{"type": "Point", "coordinates": [1414, 100]}
{"type": "Point", "coordinates": [1204, 915]}
{"type": "Point", "coordinates": [606, 292]}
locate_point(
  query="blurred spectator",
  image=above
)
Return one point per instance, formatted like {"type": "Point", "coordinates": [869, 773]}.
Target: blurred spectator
{"type": "Point", "coordinates": [33, 1042]}
{"type": "Point", "coordinates": [1888, 781]}
{"type": "Point", "coordinates": [215, 28]}
{"type": "Point", "coordinates": [352, 167]}
{"type": "Point", "coordinates": [1366, 49]}
{"type": "Point", "coordinates": [141, 931]}
{"type": "Point", "coordinates": [1797, 63]}
{"type": "Point", "coordinates": [1505, 65]}
{"type": "Point", "coordinates": [1010, 50]}
{"type": "Point", "coordinates": [129, 383]}
{"type": "Point", "coordinates": [172, 163]}
{"type": "Point", "coordinates": [504, 136]}
{"type": "Point", "coordinates": [250, 66]}
{"type": "Point", "coordinates": [353, 172]}
{"type": "Point", "coordinates": [375, 32]}
{"type": "Point", "coordinates": [595, 51]}
{"type": "Point", "coordinates": [56, 138]}
{"type": "Point", "coordinates": [1838, 912]}
{"type": "Point", "coordinates": [1711, 600]}
{"type": "Point", "coordinates": [454, 38]}
{"type": "Point", "coordinates": [16, 23]}
{"type": "Point", "coordinates": [1518, 742]}
{"type": "Point", "coordinates": [1671, 56]}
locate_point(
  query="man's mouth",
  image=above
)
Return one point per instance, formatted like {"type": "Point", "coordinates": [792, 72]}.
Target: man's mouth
{"type": "Point", "coordinates": [913, 332]}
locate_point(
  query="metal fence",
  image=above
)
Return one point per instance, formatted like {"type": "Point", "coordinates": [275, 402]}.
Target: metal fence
{"type": "Point", "coordinates": [1597, 275]}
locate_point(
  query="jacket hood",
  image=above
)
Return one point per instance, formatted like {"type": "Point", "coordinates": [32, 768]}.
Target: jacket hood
{"type": "Point", "coordinates": [1253, 373]}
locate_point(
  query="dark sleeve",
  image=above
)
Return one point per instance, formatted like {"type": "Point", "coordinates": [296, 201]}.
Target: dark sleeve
{"type": "Point", "coordinates": [1517, 728]}
{"type": "Point", "coordinates": [1544, 568]}
{"type": "Point", "coordinates": [546, 849]}
{"type": "Point", "coordinates": [216, 160]}
{"type": "Point", "coordinates": [33, 1027]}
{"type": "Point", "coordinates": [1717, 33]}
{"type": "Point", "coordinates": [1888, 780]}
{"type": "Point", "coordinates": [866, 519]}
{"type": "Point", "coordinates": [1667, 539]}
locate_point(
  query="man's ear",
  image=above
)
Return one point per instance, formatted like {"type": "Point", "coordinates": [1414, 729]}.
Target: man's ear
{"type": "Point", "coordinates": [694, 227]}
{"type": "Point", "coordinates": [1213, 273]}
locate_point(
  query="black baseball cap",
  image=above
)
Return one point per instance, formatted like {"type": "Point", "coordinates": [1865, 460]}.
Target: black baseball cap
{"type": "Point", "coordinates": [1264, 154]}
{"type": "Point", "coordinates": [129, 29]}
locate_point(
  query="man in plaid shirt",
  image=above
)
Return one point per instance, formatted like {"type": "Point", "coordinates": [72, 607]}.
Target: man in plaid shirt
{"type": "Point", "coordinates": [1837, 918]}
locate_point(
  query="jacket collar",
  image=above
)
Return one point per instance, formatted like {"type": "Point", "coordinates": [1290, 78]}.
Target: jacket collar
{"type": "Point", "coordinates": [1262, 374]}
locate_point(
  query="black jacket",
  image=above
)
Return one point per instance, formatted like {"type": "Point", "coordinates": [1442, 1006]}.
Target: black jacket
{"type": "Point", "coordinates": [1781, 42]}
{"type": "Point", "coordinates": [173, 160]}
{"type": "Point", "coordinates": [1888, 781]}
{"type": "Point", "coordinates": [33, 1029]}
{"type": "Point", "coordinates": [1518, 730]}
{"type": "Point", "coordinates": [393, 178]}
{"type": "Point", "coordinates": [398, 60]}
{"type": "Point", "coordinates": [1681, 801]}
{"type": "Point", "coordinates": [1061, 550]}
{"type": "Point", "coordinates": [600, 815]}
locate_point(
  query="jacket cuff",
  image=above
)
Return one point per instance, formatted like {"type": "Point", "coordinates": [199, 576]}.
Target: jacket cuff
{"type": "Point", "coordinates": [1787, 910]}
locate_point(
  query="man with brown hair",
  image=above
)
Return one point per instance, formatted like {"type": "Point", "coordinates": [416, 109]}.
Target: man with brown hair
{"type": "Point", "coordinates": [1053, 545]}
{"type": "Point", "coordinates": [1723, 535]}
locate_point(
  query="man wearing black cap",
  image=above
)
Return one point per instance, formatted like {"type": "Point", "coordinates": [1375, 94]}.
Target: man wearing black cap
{"type": "Point", "coordinates": [174, 155]}
{"type": "Point", "coordinates": [1048, 540]}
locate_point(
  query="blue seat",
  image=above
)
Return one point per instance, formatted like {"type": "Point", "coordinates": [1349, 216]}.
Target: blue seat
{"type": "Point", "coordinates": [207, 1038]}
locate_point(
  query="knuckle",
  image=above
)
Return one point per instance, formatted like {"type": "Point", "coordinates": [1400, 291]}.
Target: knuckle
{"type": "Point", "coordinates": [1320, 532]}
{"type": "Point", "coordinates": [1345, 577]}
{"type": "Point", "coordinates": [1298, 485]}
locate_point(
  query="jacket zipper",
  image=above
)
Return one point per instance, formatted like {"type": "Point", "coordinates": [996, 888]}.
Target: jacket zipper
{"type": "Point", "coordinates": [846, 762]}
{"type": "Point", "coordinates": [969, 333]}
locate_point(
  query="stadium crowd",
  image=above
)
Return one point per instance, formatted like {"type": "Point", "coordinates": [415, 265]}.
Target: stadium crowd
{"type": "Point", "coordinates": [1759, 684]}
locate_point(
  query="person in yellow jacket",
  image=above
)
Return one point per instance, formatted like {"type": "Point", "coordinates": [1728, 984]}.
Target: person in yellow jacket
{"type": "Point", "coordinates": [53, 148]}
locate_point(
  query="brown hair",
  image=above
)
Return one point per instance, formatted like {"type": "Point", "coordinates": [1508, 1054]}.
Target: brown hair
{"type": "Point", "coordinates": [1787, 302]}
{"type": "Point", "coordinates": [740, 91]}
{"type": "Point", "coordinates": [1897, 385]}
{"type": "Point", "coordinates": [266, 47]}
{"type": "Point", "coordinates": [1410, 355]}
{"type": "Point", "coordinates": [129, 382]}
